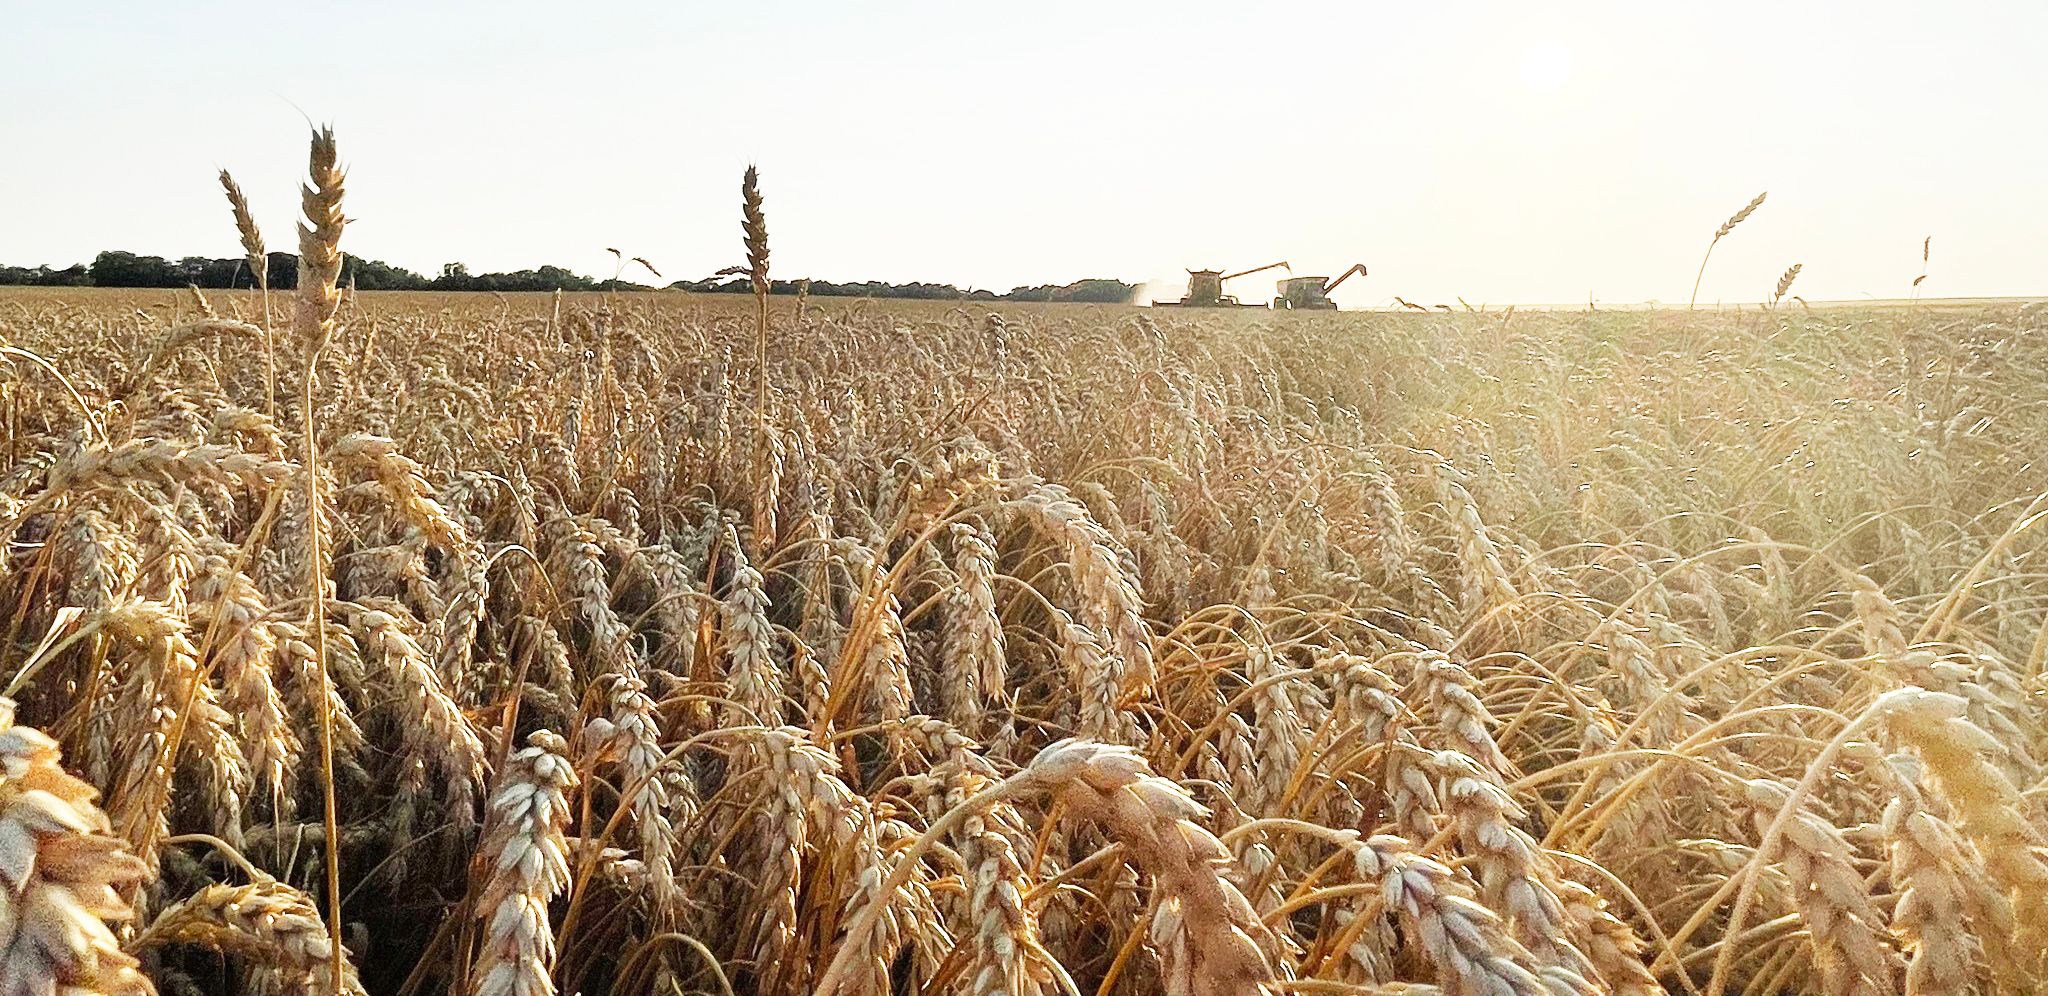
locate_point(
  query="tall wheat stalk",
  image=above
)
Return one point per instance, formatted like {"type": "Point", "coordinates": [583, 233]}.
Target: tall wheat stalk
{"type": "Point", "coordinates": [1719, 234]}
{"type": "Point", "coordinates": [259, 265]}
{"type": "Point", "coordinates": [754, 229]}
{"type": "Point", "coordinates": [754, 225]}
{"type": "Point", "coordinates": [313, 322]}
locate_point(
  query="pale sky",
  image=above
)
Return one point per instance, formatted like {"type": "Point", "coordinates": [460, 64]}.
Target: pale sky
{"type": "Point", "coordinates": [1505, 152]}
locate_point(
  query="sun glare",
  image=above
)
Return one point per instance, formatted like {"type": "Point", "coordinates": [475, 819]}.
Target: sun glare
{"type": "Point", "coordinates": [1546, 65]}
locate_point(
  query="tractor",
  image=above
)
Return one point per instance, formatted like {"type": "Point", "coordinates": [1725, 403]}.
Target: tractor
{"type": "Point", "coordinates": [1205, 288]}
{"type": "Point", "coordinates": [1311, 293]}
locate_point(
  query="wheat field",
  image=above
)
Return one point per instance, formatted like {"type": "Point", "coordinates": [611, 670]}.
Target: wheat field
{"type": "Point", "coordinates": [657, 643]}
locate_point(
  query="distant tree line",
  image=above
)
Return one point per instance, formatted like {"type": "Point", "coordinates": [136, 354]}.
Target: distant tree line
{"type": "Point", "coordinates": [1092, 291]}
{"type": "Point", "coordinates": [124, 269]}
{"type": "Point", "coordinates": [826, 288]}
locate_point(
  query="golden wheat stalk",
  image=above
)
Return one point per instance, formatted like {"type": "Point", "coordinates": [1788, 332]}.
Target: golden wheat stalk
{"type": "Point", "coordinates": [313, 321]}
{"type": "Point", "coordinates": [259, 266]}
{"type": "Point", "coordinates": [1719, 234]}
{"type": "Point", "coordinates": [245, 226]}
{"type": "Point", "coordinates": [1989, 809]}
{"type": "Point", "coordinates": [754, 228]}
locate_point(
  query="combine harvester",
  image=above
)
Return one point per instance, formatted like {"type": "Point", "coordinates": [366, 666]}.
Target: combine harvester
{"type": "Point", "coordinates": [1205, 290]}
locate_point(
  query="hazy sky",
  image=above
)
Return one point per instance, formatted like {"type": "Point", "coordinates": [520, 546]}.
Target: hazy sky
{"type": "Point", "coordinates": [1503, 151]}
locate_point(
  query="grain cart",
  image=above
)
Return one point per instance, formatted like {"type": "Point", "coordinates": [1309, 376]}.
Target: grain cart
{"type": "Point", "coordinates": [1311, 293]}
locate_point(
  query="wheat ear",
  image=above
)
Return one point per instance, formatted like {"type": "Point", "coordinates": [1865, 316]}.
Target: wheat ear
{"type": "Point", "coordinates": [1989, 809]}
{"type": "Point", "coordinates": [1785, 283]}
{"type": "Point", "coordinates": [1829, 895]}
{"type": "Point", "coordinates": [62, 873]}
{"type": "Point", "coordinates": [524, 863]}
{"type": "Point", "coordinates": [1941, 889]}
{"type": "Point", "coordinates": [1466, 942]}
{"type": "Point", "coordinates": [267, 921]}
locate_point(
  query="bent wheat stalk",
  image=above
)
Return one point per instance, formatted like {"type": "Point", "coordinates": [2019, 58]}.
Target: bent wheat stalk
{"type": "Point", "coordinates": [267, 921]}
{"type": "Point", "coordinates": [1210, 940]}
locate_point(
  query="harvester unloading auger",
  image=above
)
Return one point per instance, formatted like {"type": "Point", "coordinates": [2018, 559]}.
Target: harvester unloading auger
{"type": "Point", "coordinates": [1205, 288]}
{"type": "Point", "coordinates": [1311, 293]}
